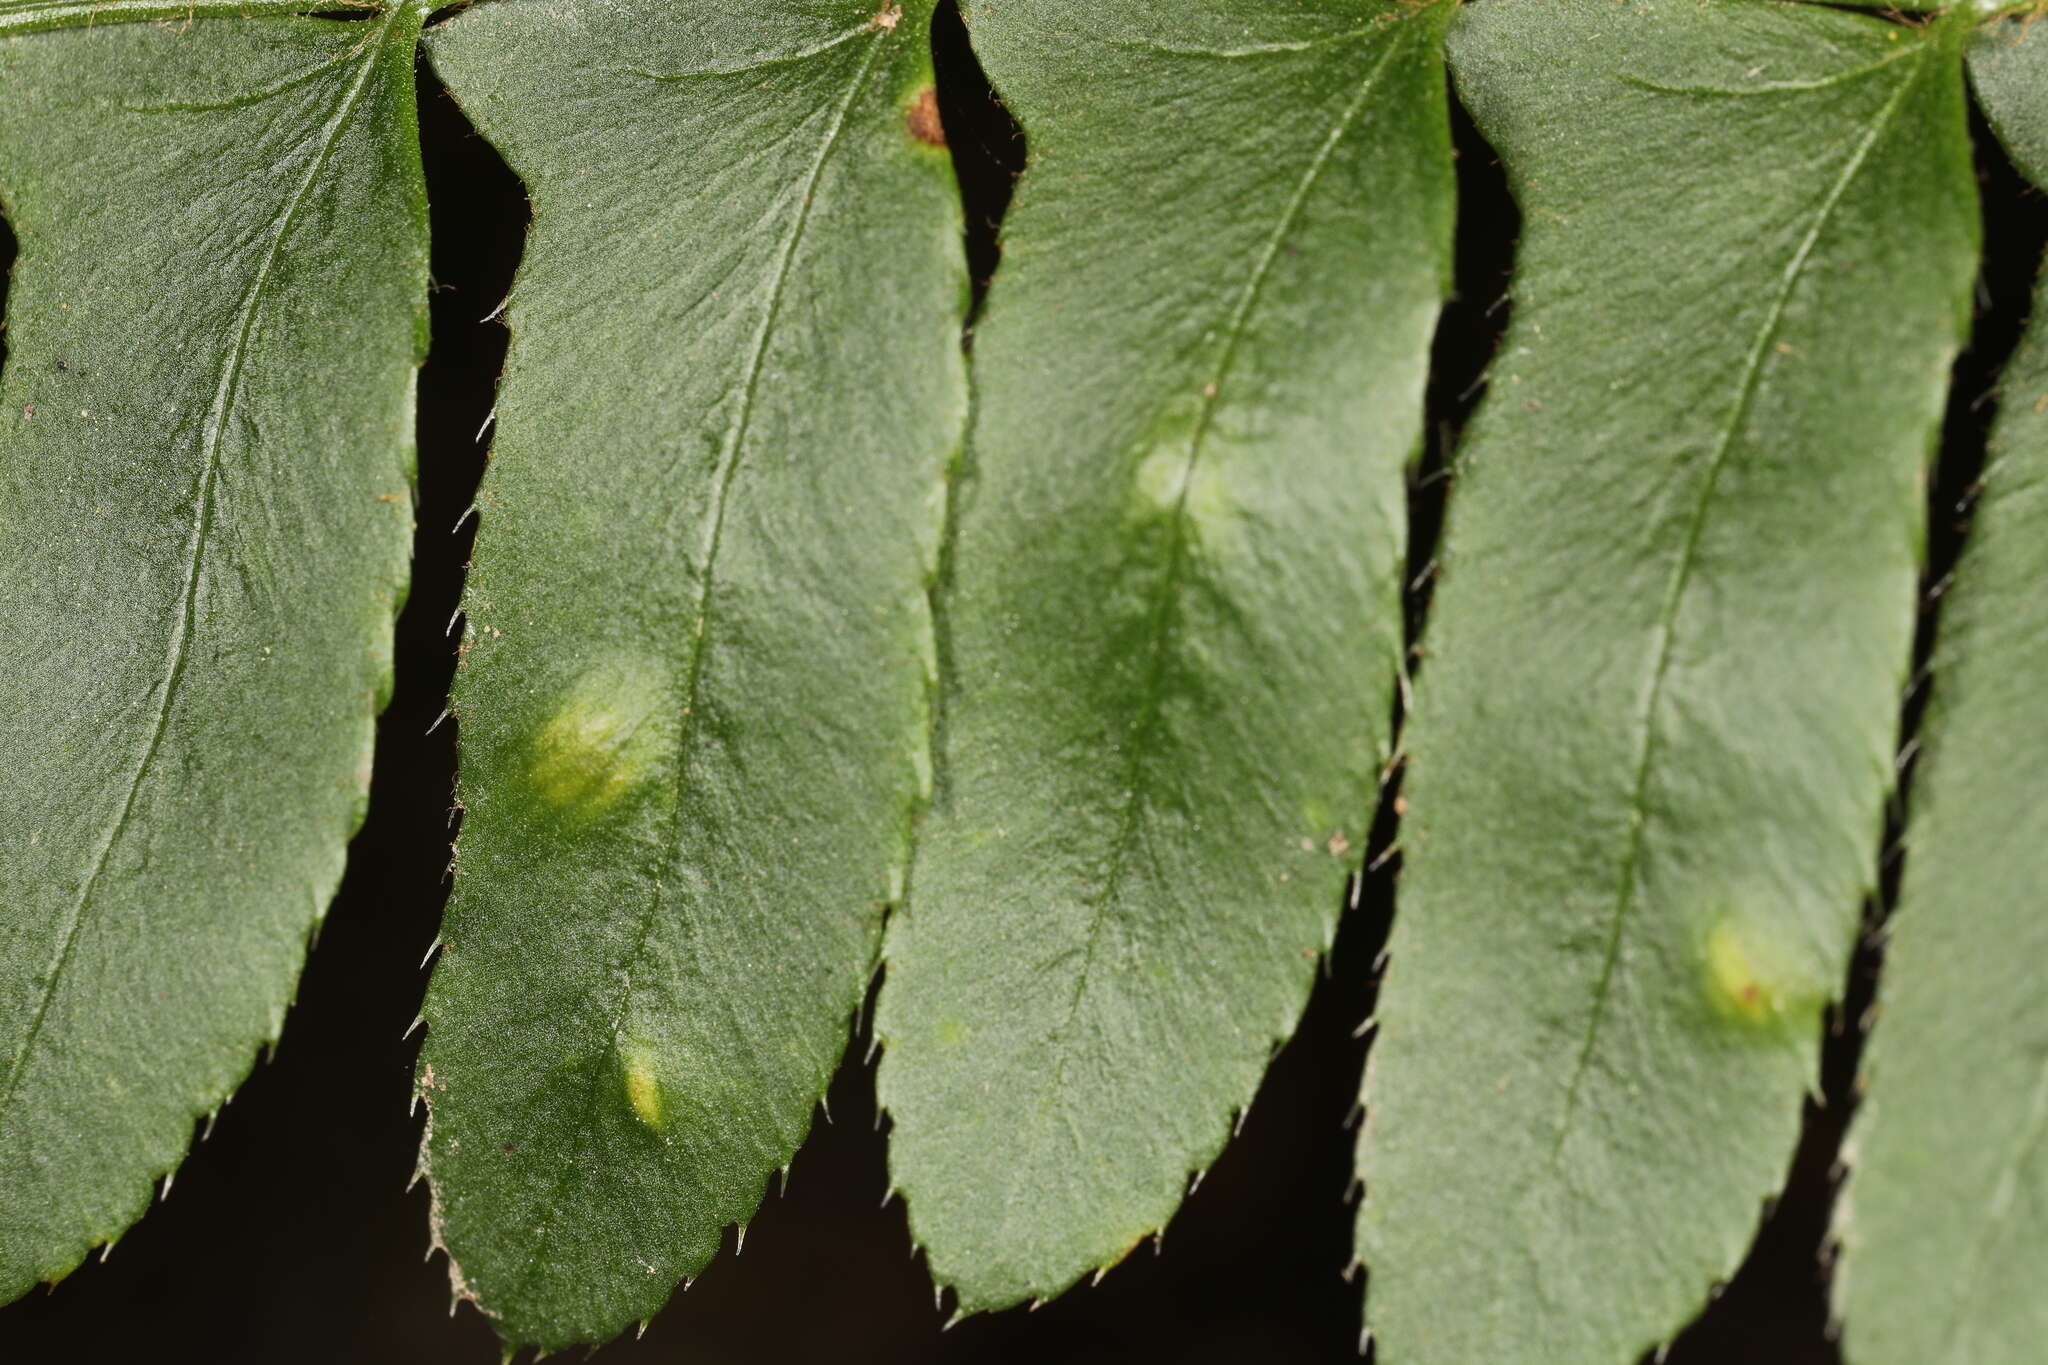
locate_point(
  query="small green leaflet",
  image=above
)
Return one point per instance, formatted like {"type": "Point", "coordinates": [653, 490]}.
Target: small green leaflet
{"type": "Point", "coordinates": [1944, 1245]}
{"type": "Point", "coordinates": [206, 475]}
{"type": "Point", "coordinates": [29, 16]}
{"type": "Point", "coordinates": [1655, 722]}
{"type": "Point", "coordinates": [695, 700]}
{"type": "Point", "coordinates": [1171, 626]}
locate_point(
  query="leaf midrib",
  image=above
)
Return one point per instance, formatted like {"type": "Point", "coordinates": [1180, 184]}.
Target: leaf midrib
{"type": "Point", "coordinates": [178, 647]}
{"type": "Point", "coordinates": [1791, 87]}
{"type": "Point", "coordinates": [1751, 382]}
{"type": "Point", "coordinates": [1153, 45]}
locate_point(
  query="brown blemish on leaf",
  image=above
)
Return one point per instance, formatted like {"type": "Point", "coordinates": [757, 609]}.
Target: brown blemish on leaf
{"type": "Point", "coordinates": [887, 18]}
{"type": "Point", "coordinates": [922, 119]}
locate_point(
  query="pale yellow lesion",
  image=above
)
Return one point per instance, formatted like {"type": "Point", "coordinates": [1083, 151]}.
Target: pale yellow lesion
{"type": "Point", "coordinates": [608, 736]}
{"type": "Point", "coordinates": [1752, 978]}
{"type": "Point", "coordinates": [643, 1085]}
{"type": "Point", "coordinates": [1173, 482]}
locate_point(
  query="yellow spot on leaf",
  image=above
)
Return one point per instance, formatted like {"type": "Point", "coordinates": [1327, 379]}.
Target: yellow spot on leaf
{"type": "Point", "coordinates": [1736, 987]}
{"type": "Point", "coordinates": [643, 1089]}
{"type": "Point", "coordinates": [1753, 979]}
{"type": "Point", "coordinates": [1172, 480]}
{"type": "Point", "coordinates": [608, 736]}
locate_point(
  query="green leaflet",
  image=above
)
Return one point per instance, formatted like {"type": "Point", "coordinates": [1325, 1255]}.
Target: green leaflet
{"type": "Point", "coordinates": [694, 703]}
{"type": "Point", "coordinates": [1171, 627]}
{"type": "Point", "coordinates": [1655, 727]}
{"type": "Point", "coordinates": [1944, 1250]}
{"type": "Point", "coordinates": [29, 16]}
{"type": "Point", "coordinates": [205, 470]}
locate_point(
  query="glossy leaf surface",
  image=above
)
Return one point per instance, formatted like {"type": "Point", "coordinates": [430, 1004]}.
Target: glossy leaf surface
{"type": "Point", "coordinates": [205, 520]}
{"type": "Point", "coordinates": [1944, 1222]}
{"type": "Point", "coordinates": [1657, 711]}
{"type": "Point", "coordinates": [695, 697]}
{"type": "Point", "coordinates": [1171, 626]}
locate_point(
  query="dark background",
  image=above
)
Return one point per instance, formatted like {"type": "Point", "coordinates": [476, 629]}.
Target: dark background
{"type": "Point", "coordinates": [290, 1233]}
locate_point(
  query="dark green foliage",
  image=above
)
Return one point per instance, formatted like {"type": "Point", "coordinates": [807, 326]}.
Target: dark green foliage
{"type": "Point", "coordinates": [1065, 711]}
{"type": "Point", "coordinates": [695, 691]}
{"type": "Point", "coordinates": [1654, 729]}
{"type": "Point", "coordinates": [205, 517]}
{"type": "Point", "coordinates": [1173, 613]}
{"type": "Point", "coordinates": [1943, 1240]}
